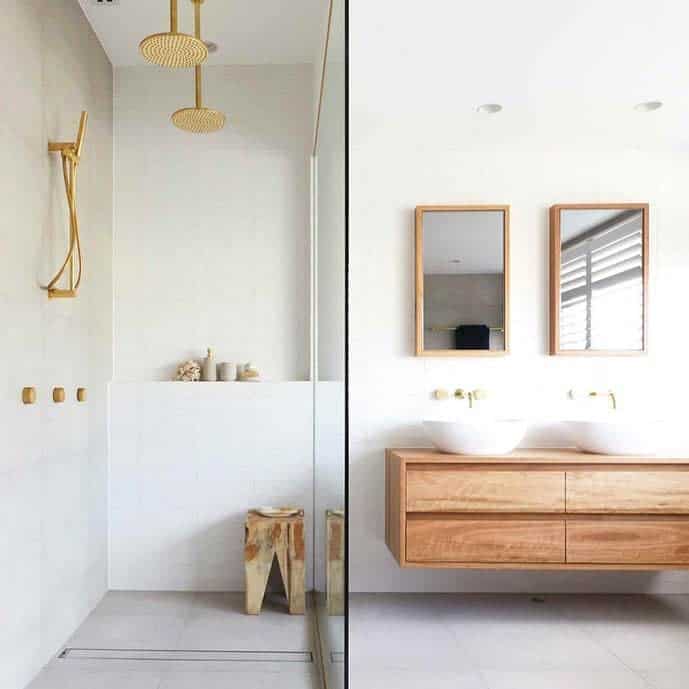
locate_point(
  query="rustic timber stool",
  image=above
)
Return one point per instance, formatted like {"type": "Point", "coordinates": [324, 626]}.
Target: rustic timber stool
{"type": "Point", "coordinates": [335, 567]}
{"type": "Point", "coordinates": [268, 538]}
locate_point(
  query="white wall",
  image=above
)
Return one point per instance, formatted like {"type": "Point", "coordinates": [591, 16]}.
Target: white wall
{"type": "Point", "coordinates": [390, 388]}
{"type": "Point", "coordinates": [53, 463]}
{"type": "Point", "coordinates": [211, 231]}
{"type": "Point", "coordinates": [187, 462]}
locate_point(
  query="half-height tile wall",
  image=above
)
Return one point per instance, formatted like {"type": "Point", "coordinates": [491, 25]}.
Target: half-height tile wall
{"type": "Point", "coordinates": [187, 461]}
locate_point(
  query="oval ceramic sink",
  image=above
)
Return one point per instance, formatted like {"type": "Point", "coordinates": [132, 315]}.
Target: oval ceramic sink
{"type": "Point", "coordinates": [479, 435]}
{"type": "Point", "coordinates": [616, 435]}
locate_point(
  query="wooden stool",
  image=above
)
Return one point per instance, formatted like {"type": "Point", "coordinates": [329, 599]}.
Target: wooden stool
{"type": "Point", "coordinates": [268, 538]}
{"type": "Point", "coordinates": [335, 567]}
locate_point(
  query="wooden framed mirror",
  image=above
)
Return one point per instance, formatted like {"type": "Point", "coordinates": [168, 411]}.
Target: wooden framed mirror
{"type": "Point", "coordinates": [462, 280]}
{"type": "Point", "coordinates": [599, 255]}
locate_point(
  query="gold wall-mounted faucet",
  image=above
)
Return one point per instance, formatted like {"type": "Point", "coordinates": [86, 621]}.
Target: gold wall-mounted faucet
{"type": "Point", "coordinates": [472, 395]}
{"type": "Point", "coordinates": [609, 394]}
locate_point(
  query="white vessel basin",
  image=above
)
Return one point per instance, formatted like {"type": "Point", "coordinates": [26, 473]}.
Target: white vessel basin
{"type": "Point", "coordinates": [476, 435]}
{"type": "Point", "coordinates": [616, 435]}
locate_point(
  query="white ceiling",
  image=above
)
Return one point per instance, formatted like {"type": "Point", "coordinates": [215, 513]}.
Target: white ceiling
{"type": "Point", "coordinates": [567, 73]}
{"type": "Point", "coordinates": [246, 31]}
{"type": "Point", "coordinates": [475, 238]}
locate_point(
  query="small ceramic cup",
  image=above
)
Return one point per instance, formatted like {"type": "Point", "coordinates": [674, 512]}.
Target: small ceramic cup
{"type": "Point", "coordinates": [227, 372]}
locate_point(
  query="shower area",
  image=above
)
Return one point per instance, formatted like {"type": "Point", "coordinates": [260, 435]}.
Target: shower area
{"type": "Point", "coordinates": [199, 357]}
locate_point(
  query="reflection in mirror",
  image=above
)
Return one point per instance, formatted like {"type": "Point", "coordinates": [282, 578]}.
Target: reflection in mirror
{"type": "Point", "coordinates": [461, 280]}
{"type": "Point", "coordinates": [599, 264]}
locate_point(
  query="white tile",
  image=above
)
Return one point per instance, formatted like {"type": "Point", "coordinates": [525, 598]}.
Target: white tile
{"type": "Point", "coordinates": [146, 603]}
{"type": "Point", "coordinates": [529, 645]}
{"type": "Point", "coordinates": [218, 622]}
{"type": "Point", "coordinates": [203, 459]}
{"type": "Point", "coordinates": [121, 631]}
{"type": "Point", "coordinates": [64, 675]}
{"type": "Point", "coordinates": [286, 678]}
{"type": "Point", "coordinates": [404, 645]}
{"type": "Point", "coordinates": [667, 679]}
{"type": "Point", "coordinates": [373, 678]}
{"type": "Point", "coordinates": [580, 679]}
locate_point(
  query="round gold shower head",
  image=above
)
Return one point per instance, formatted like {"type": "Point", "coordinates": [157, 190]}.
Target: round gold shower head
{"type": "Point", "coordinates": [174, 50]}
{"type": "Point", "coordinates": [199, 120]}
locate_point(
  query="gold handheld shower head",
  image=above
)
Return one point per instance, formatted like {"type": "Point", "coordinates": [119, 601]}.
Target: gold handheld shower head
{"type": "Point", "coordinates": [174, 49]}
{"type": "Point", "coordinates": [198, 119]}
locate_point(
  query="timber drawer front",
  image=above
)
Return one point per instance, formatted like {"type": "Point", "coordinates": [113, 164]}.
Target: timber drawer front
{"type": "Point", "coordinates": [470, 490]}
{"type": "Point", "coordinates": [537, 509]}
{"type": "Point", "coordinates": [486, 540]}
{"type": "Point", "coordinates": [628, 492]}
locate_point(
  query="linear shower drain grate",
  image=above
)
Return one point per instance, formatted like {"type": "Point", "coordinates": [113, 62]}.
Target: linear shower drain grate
{"type": "Point", "coordinates": [185, 655]}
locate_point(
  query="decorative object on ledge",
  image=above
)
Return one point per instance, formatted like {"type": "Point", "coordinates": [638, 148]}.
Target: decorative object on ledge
{"type": "Point", "coordinates": [198, 120]}
{"type": "Point", "coordinates": [227, 372]}
{"type": "Point", "coordinates": [267, 539]}
{"type": "Point", "coordinates": [189, 372]}
{"type": "Point", "coordinates": [248, 373]}
{"type": "Point", "coordinates": [173, 49]}
{"type": "Point", "coordinates": [29, 395]}
{"type": "Point", "coordinates": [73, 263]}
{"type": "Point", "coordinates": [58, 395]}
{"type": "Point", "coordinates": [209, 372]}
{"type": "Point", "coordinates": [81, 395]}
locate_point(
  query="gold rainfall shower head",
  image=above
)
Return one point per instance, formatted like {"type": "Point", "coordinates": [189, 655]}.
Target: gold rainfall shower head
{"type": "Point", "coordinates": [198, 119]}
{"type": "Point", "coordinates": [174, 49]}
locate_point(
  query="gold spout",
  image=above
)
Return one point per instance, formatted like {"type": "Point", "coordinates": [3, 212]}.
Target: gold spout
{"type": "Point", "coordinates": [609, 394]}
{"type": "Point", "coordinates": [472, 396]}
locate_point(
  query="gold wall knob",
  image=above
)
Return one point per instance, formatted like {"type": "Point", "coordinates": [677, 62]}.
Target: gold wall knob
{"type": "Point", "coordinates": [29, 395]}
{"type": "Point", "coordinates": [58, 395]}
{"type": "Point", "coordinates": [81, 395]}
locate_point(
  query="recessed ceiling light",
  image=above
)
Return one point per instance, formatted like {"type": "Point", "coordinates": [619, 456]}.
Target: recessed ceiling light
{"type": "Point", "coordinates": [648, 106]}
{"type": "Point", "coordinates": [212, 47]}
{"type": "Point", "coordinates": [489, 108]}
{"type": "Point", "coordinates": [455, 260]}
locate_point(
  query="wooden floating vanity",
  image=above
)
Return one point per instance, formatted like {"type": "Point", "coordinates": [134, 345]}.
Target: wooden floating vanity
{"type": "Point", "coordinates": [537, 509]}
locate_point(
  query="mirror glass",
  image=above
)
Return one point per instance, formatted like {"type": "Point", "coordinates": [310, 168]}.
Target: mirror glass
{"type": "Point", "coordinates": [600, 282]}
{"type": "Point", "coordinates": [329, 361]}
{"type": "Point", "coordinates": [462, 280]}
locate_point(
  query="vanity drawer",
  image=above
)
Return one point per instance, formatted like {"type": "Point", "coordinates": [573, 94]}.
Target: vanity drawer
{"type": "Point", "coordinates": [467, 540]}
{"type": "Point", "coordinates": [628, 492]}
{"type": "Point", "coordinates": [628, 542]}
{"type": "Point", "coordinates": [470, 490]}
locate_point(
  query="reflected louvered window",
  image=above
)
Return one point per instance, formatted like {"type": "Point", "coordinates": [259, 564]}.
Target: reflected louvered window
{"type": "Point", "coordinates": [601, 287]}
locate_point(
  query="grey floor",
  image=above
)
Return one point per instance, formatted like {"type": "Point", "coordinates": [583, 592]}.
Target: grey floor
{"type": "Point", "coordinates": [416, 641]}
{"type": "Point", "coordinates": [187, 622]}
{"type": "Point", "coordinates": [422, 641]}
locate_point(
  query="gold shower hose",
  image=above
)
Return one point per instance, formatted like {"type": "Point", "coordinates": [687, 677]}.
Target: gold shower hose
{"type": "Point", "coordinates": [71, 155]}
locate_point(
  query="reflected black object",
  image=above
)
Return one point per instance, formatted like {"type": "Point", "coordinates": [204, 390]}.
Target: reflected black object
{"type": "Point", "coordinates": [472, 337]}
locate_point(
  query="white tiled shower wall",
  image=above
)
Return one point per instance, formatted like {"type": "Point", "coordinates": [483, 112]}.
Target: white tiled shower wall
{"type": "Point", "coordinates": [187, 461]}
{"type": "Point", "coordinates": [211, 244]}
{"type": "Point", "coordinates": [53, 461]}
